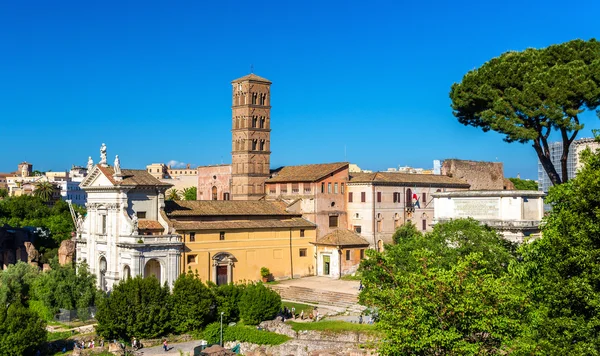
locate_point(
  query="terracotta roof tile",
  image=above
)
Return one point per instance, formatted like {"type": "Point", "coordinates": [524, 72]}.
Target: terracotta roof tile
{"type": "Point", "coordinates": [408, 179]}
{"type": "Point", "coordinates": [307, 173]}
{"type": "Point", "coordinates": [225, 207]}
{"type": "Point", "coordinates": [133, 177]}
{"type": "Point", "coordinates": [144, 224]}
{"type": "Point", "coordinates": [253, 77]}
{"type": "Point", "coordinates": [342, 237]}
{"type": "Point", "coordinates": [252, 224]}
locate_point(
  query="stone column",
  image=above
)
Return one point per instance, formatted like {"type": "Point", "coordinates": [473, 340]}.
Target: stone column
{"type": "Point", "coordinates": [229, 271]}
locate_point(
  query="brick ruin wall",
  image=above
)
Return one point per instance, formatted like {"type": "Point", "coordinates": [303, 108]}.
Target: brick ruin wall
{"type": "Point", "coordinates": [480, 175]}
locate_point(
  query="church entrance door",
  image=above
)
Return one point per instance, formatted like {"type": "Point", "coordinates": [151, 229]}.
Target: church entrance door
{"type": "Point", "coordinates": [326, 262]}
{"type": "Point", "coordinates": [221, 275]}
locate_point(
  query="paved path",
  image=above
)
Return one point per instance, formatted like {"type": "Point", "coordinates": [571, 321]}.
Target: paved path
{"type": "Point", "coordinates": [324, 283]}
{"type": "Point", "coordinates": [185, 347]}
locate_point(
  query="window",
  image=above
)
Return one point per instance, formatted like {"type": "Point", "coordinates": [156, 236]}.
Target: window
{"type": "Point", "coordinates": [254, 121]}
{"type": "Point", "coordinates": [141, 214]}
{"type": "Point", "coordinates": [254, 143]}
{"type": "Point", "coordinates": [301, 232]}
{"type": "Point", "coordinates": [225, 196]}
{"type": "Point", "coordinates": [307, 188]}
{"type": "Point", "coordinates": [262, 145]}
{"type": "Point", "coordinates": [322, 187]}
{"type": "Point", "coordinates": [333, 221]}
{"type": "Point", "coordinates": [363, 197]}
{"type": "Point", "coordinates": [222, 235]}
{"type": "Point", "coordinates": [350, 197]}
{"type": "Point", "coordinates": [342, 188]}
{"type": "Point", "coordinates": [424, 224]}
{"type": "Point", "coordinates": [347, 255]}
{"type": "Point", "coordinates": [191, 259]}
{"type": "Point", "coordinates": [192, 236]}
{"type": "Point", "coordinates": [335, 188]}
{"type": "Point", "coordinates": [262, 123]}
{"type": "Point", "coordinates": [396, 197]}
{"type": "Point", "coordinates": [357, 229]}
{"type": "Point", "coordinates": [214, 193]}
{"type": "Point", "coordinates": [379, 197]}
{"type": "Point", "coordinates": [409, 202]}
{"type": "Point", "coordinates": [424, 199]}
{"type": "Point", "coordinates": [303, 252]}
{"type": "Point", "coordinates": [362, 253]}
{"type": "Point", "coordinates": [295, 188]}
{"type": "Point", "coordinates": [103, 224]}
{"type": "Point", "coordinates": [379, 225]}
{"type": "Point", "coordinates": [329, 188]}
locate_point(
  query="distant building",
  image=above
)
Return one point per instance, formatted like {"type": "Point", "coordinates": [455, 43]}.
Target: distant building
{"type": "Point", "coordinates": [516, 214]}
{"type": "Point", "coordinates": [214, 182]}
{"type": "Point", "coordinates": [479, 175]}
{"type": "Point", "coordinates": [179, 178]}
{"type": "Point", "coordinates": [573, 160]}
{"type": "Point", "coordinates": [339, 253]}
{"type": "Point", "coordinates": [317, 191]}
{"type": "Point", "coordinates": [380, 202]}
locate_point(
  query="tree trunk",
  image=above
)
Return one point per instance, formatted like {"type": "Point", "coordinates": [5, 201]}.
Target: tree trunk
{"type": "Point", "coordinates": [547, 163]}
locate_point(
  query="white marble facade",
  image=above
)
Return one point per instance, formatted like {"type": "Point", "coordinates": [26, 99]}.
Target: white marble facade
{"type": "Point", "coordinates": [113, 241]}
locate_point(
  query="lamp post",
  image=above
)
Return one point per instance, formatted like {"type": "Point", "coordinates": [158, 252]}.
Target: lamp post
{"type": "Point", "coordinates": [222, 328]}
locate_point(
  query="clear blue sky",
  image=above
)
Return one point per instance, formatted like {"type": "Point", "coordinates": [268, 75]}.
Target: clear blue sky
{"type": "Point", "coordinates": [363, 81]}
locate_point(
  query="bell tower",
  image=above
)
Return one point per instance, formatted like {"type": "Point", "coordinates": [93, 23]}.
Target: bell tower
{"type": "Point", "coordinates": [250, 137]}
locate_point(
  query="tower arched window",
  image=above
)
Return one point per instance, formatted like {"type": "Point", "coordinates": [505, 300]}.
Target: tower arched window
{"type": "Point", "coordinates": [262, 145]}
{"type": "Point", "coordinates": [254, 143]}
{"type": "Point", "coordinates": [262, 122]}
{"type": "Point", "coordinates": [254, 95]}
{"type": "Point", "coordinates": [255, 122]}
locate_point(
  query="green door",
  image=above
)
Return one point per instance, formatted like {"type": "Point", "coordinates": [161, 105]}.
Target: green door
{"type": "Point", "coordinates": [326, 265]}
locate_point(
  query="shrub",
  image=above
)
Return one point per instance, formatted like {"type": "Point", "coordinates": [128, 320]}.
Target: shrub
{"type": "Point", "coordinates": [228, 297]}
{"type": "Point", "coordinates": [259, 303]}
{"type": "Point", "coordinates": [249, 334]}
{"type": "Point", "coordinates": [265, 272]}
{"type": "Point", "coordinates": [212, 332]}
{"type": "Point", "coordinates": [193, 304]}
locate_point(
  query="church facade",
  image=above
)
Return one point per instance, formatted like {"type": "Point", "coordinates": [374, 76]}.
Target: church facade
{"type": "Point", "coordinates": [123, 233]}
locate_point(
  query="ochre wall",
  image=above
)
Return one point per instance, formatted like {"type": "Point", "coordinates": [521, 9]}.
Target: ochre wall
{"type": "Point", "coordinates": [252, 250]}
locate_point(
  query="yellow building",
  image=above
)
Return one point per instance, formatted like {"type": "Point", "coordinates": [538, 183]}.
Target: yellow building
{"type": "Point", "coordinates": [229, 241]}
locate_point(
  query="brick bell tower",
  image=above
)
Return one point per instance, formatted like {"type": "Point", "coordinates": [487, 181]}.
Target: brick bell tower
{"type": "Point", "coordinates": [250, 137]}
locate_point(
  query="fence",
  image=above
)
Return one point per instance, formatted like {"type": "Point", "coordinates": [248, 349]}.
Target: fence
{"type": "Point", "coordinates": [68, 317]}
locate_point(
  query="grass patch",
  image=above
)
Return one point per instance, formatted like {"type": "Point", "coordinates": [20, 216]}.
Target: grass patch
{"type": "Point", "coordinates": [332, 325]}
{"type": "Point", "coordinates": [251, 334]}
{"type": "Point", "coordinates": [61, 335]}
{"type": "Point", "coordinates": [273, 282]}
{"type": "Point", "coordinates": [299, 307]}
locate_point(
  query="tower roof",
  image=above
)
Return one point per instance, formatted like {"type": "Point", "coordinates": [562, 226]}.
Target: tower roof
{"type": "Point", "coordinates": [251, 77]}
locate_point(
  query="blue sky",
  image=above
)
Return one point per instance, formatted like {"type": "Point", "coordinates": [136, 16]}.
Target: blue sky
{"type": "Point", "coordinates": [364, 81]}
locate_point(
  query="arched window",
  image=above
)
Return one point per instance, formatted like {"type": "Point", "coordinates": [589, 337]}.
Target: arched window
{"type": "Point", "coordinates": [255, 121]}
{"type": "Point", "coordinates": [214, 193]}
{"type": "Point", "coordinates": [409, 201]}
{"type": "Point", "coordinates": [254, 95]}
{"type": "Point", "coordinates": [254, 143]}
{"type": "Point", "coordinates": [262, 122]}
{"type": "Point", "coordinates": [262, 145]}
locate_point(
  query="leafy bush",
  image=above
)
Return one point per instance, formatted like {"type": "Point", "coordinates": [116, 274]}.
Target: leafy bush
{"type": "Point", "coordinates": [212, 332]}
{"type": "Point", "coordinates": [22, 332]}
{"type": "Point", "coordinates": [193, 304]}
{"type": "Point", "coordinates": [228, 297]}
{"type": "Point", "coordinates": [243, 333]}
{"type": "Point", "coordinates": [264, 272]}
{"type": "Point", "coordinates": [38, 307]}
{"type": "Point", "coordinates": [259, 303]}
{"type": "Point", "coordinates": [137, 307]}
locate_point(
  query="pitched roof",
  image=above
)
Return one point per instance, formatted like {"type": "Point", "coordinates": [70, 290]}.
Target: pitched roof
{"type": "Point", "coordinates": [145, 224]}
{"type": "Point", "coordinates": [246, 224]}
{"type": "Point", "coordinates": [307, 172]}
{"type": "Point", "coordinates": [342, 237]}
{"type": "Point", "coordinates": [252, 77]}
{"type": "Point", "coordinates": [132, 177]}
{"type": "Point", "coordinates": [393, 178]}
{"type": "Point", "coordinates": [174, 208]}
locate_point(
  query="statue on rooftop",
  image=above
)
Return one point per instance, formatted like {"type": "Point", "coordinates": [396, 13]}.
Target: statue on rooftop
{"type": "Point", "coordinates": [102, 155]}
{"type": "Point", "coordinates": [117, 166]}
{"type": "Point", "coordinates": [90, 164]}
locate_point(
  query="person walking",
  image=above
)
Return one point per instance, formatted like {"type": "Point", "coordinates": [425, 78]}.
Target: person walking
{"type": "Point", "coordinates": [165, 345]}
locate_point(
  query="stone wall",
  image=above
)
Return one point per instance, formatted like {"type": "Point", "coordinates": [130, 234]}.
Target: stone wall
{"type": "Point", "coordinates": [480, 175]}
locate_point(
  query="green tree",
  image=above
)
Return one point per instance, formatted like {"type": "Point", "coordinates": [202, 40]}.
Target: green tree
{"type": "Point", "coordinates": [561, 270]}
{"type": "Point", "coordinates": [228, 297]}
{"type": "Point", "coordinates": [524, 184]}
{"type": "Point", "coordinates": [16, 282]}
{"type": "Point", "coordinates": [526, 95]}
{"type": "Point", "coordinates": [193, 304]}
{"type": "Point", "coordinates": [259, 303]}
{"type": "Point", "coordinates": [3, 193]}
{"type": "Point", "coordinates": [137, 307]}
{"type": "Point", "coordinates": [44, 191]}
{"type": "Point", "coordinates": [190, 193]}
{"type": "Point", "coordinates": [22, 332]}
{"type": "Point", "coordinates": [408, 230]}
{"type": "Point", "coordinates": [64, 287]}
{"type": "Point", "coordinates": [461, 310]}
{"type": "Point", "coordinates": [173, 194]}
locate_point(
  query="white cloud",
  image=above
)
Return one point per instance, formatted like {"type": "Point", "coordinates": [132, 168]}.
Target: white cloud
{"type": "Point", "coordinates": [176, 164]}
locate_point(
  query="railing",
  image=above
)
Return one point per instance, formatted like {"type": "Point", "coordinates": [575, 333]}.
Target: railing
{"type": "Point", "coordinates": [151, 239]}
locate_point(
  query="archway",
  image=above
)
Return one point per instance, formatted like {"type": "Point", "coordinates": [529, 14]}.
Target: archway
{"type": "Point", "coordinates": [153, 269]}
{"type": "Point", "coordinates": [223, 263]}
{"type": "Point", "coordinates": [214, 193]}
